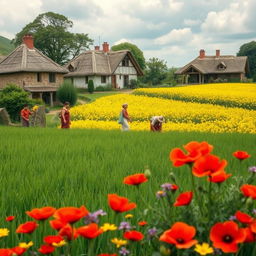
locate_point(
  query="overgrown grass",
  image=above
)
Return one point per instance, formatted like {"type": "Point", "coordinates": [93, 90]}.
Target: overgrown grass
{"type": "Point", "coordinates": [53, 167]}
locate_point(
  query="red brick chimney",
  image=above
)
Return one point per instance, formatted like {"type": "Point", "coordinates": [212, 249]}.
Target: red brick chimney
{"type": "Point", "coordinates": [217, 53]}
{"type": "Point", "coordinates": [28, 40]}
{"type": "Point", "coordinates": [105, 47]}
{"type": "Point", "coordinates": [96, 48]}
{"type": "Point", "coordinates": [202, 54]}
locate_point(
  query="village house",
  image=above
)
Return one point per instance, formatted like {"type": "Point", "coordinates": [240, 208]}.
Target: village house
{"type": "Point", "coordinates": [217, 68]}
{"type": "Point", "coordinates": [104, 67]}
{"type": "Point", "coordinates": [30, 69]}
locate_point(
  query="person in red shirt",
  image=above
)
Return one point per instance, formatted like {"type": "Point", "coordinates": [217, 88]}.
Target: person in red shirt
{"type": "Point", "coordinates": [65, 116]}
{"type": "Point", "coordinates": [25, 113]}
{"type": "Point", "coordinates": [156, 123]}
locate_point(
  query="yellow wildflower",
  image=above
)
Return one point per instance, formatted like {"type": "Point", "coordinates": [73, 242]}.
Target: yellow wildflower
{"type": "Point", "coordinates": [35, 108]}
{"type": "Point", "coordinates": [108, 227]}
{"type": "Point", "coordinates": [60, 244]}
{"type": "Point", "coordinates": [128, 216]}
{"type": "Point", "coordinates": [118, 242]}
{"type": "Point", "coordinates": [4, 232]}
{"type": "Point", "coordinates": [203, 249]}
{"type": "Point", "coordinates": [26, 245]}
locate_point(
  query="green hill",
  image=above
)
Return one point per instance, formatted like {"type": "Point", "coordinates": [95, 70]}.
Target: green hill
{"type": "Point", "coordinates": [5, 46]}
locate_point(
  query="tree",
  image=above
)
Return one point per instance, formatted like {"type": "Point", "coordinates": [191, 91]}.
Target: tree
{"type": "Point", "coordinates": [90, 86]}
{"type": "Point", "coordinates": [51, 36]}
{"type": "Point", "coordinates": [156, 71]}
{"type": "Point", "coordinates": [136, 52]}
{"type": "Point", "coordinates": [67, 93]}
{"type": "Point", "coordinates": [249, 50]}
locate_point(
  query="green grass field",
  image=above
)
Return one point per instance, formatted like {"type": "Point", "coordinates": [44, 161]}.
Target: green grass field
{"type": "Point", "coordinates": [53, 167]}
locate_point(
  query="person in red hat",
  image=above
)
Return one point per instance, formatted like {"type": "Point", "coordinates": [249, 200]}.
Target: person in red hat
{"type": "Point", "coordinates": [25, 113]}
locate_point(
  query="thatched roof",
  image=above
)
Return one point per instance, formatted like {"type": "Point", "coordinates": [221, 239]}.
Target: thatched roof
{"type": "Point", "coordinates": [217, 65]}
{"type": "Point", "coordinates": [24, 59]}
{"type": "Point", "coordinates": [95, 62]}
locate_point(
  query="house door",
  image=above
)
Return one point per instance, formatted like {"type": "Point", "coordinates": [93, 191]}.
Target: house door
{"type": "Point", "coordinates": [126, 81]}
{"type": "Point", "coordinates": [113, 81]}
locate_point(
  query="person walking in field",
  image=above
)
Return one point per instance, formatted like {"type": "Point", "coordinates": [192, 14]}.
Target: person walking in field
{"type": "Point", "coordinates": [65, 116]}
{"type": "Point", "coordinates": [124, 118]}
{"type": "Point", "coordinates": [25, 113]}
{"type": "Point", "coordinates": [156, 123]}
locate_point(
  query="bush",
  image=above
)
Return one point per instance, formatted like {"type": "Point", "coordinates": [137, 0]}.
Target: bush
{"type": "Point", "coordinates": [13, 99]}
{"type": "Point", "coordinates": [67, 92]}
{"type": "Point", "coordinates": [90, 86]}
{"type": "Point", "coordinates": [133, 84]}
{"type": "Point", "coordinates": [104, 88]}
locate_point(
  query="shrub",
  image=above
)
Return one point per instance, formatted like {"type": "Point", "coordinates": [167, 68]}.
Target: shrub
{"type": "Point", "coordinates": [104, 88]}
{"type": "Point", "coordinates": [90, 86]}
{"type": "Point", "coordinates": [67, 92]}
{"type": "Point", "coordinates": [133, 84]}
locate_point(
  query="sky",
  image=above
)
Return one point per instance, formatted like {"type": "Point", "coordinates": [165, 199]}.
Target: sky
{"type": "Point", "coordinates": [171, 30]}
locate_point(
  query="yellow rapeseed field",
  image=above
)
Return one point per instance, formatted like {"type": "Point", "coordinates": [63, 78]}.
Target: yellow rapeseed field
{"type": "Point", "coordinates": [226, 94]}
{"type": "Point", "coordinates": [182, 116]}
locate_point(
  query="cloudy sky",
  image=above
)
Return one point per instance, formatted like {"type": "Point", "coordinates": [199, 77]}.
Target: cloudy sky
{"type": "Point", "coordinates": [172, 30]}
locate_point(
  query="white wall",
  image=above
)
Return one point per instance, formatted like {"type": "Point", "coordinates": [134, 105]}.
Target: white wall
{"type": "Point", "coordinates": [80, 82]}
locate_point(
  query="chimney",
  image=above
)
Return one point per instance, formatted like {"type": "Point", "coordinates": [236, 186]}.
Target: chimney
{"type": "Point", "coordinates": [202, 54]}
{"type": "Point", "coordinates": [28, 40]}
{"type": "Point", "coordinates": [217, 53]}
{"type": "Point", "coordinates": [105, 47]}
{"type": "Point", "coordinates": [96, 48]}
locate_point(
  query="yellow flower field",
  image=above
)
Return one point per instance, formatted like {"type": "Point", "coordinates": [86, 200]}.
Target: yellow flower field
{"type": "Point", "coordinates": [226, 94]}
{"type": "Point", "coordinates": [181, 116]}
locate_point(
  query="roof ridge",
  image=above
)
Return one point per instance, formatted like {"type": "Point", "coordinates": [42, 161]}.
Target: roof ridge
{"type": "Point", "coordinates": [94, 69]}
{"type": "Point", "coordinates": [24, 57]}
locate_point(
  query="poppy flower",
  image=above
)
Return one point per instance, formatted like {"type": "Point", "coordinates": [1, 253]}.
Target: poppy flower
{"type": "Point", "coordinates": [27, 227]}
{"type": "Point", "coordinates": [219, 177]}
{"type": "Point", "coordinates": [10, 218]}
{"type": "Point", "coordinates": [243, 217]}
{"type": "Point", "coordinates": [181, 235]}
{"type": "Point", "coordinates": [6, 252]}
{"type": "Point", "coordinates": [184, 198]}
{"type": "Point", "coordinates": [41, 213]}
{"type": "Point", "coordinates": [57, 224]}
{"type": "Point", "coordinates": [250, 236]}
{"type": "Point", "coordinates": [46, 249]}
{"type": "Point", "coordinates": [142, 223]}
{"type": "Point", "coordinates": [241, 155]}
{"type": "Point", "coordinates": [120, 204]}
{"type": "Point", "coordinates": [70, 214]}
{"type": "Point", "coordinates": [133, 235]}
{"type": "Point", "coordinates": [226, 236]}
{"type": "Point", "coordinates": [18, 250]}
{"type": "Point", "coordinates": [194, 151]}
{"type": "Point", "coordinates": [249, 190]}
{"type": "Point", "coordinates": [253, 226]}
{"type": "Point", "coordinates": [90, 231]}
{"type": "Point", "coordinates": [135, 179]}
{"type": "Point", "coordinates": [52, 239]}
{"type": "Point", "coordinates": [68, 232]}
{"type": "Point", "coordinates": [207, 165]}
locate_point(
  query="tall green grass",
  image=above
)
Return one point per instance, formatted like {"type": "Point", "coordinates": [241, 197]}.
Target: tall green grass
{"type": "Point", "coordinates": [53, 167]}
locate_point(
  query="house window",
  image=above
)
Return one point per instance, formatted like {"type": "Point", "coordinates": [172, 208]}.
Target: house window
{"type": "Point", "coordinates": [39, 77]}
{"type": "Point", "coordinates": [125, 61]}
{"type": "Point", "coordinates": [103, 79]}
{"type": "Point", "coordinates": [120, 77]}
{"type": "Point", "coordinates": [52, 78]}
{"type": "Point", "coordinates": [86, 79]}
{"type": "Point", "coordinates": [126, 81]}
{"type": "Point", "coordinates": [222, 66]}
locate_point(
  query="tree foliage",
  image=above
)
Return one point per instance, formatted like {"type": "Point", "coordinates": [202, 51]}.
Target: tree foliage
{"type": "Point", "coordinates": [90, 86]}
{"type": "Point", "coordinates": [52, 37]}
{"type": "Point", "coordinates": [249, 50]}
{"type": "Point", "coordinates": [136, 52]}
{"type": "Point", "coordinates": [67, 92]}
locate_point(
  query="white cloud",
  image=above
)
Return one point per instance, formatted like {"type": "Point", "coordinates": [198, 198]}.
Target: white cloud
{"type": "Point", "coordinates": [191, 22]}
{"type": "Point", "coordinates": [123, 40]}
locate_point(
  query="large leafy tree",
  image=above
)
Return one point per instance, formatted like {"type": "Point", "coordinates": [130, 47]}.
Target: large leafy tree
{"type": "Point", "coordinates": [137, 53]}
{"type": "Point", "coordinates": [52, 37]}
{"type": "Point", "coordinates": [249, 49]}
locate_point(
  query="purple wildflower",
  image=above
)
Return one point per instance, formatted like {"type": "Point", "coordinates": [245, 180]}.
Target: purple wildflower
{"type": "Point", "coordinates": [124, 251]}
{"type": "Point", "coordinates": [93, 217]}
{"type": "Point", "coordinates": [252, 169]}
{"type": "Point", "coordinates": [254, 211]}
{"type": "Point", "coordinates": [124, 225]}
{"type": "Point", "coordinates": [232, 217]}
{"type": "Point", "coordinates": [167, 186]}
{"type": "Point", "coordinates": [152, 232]}
{"type": "Point", "coordinates": [160, 194]}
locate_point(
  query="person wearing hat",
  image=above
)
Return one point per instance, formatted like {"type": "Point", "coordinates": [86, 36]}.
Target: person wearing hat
{"type": "Point", "coordinates": [65, 116]}
{"type": "Point", "coordinates": [156, 123]}
{"type": "Point", "coordinates": [124, 118]}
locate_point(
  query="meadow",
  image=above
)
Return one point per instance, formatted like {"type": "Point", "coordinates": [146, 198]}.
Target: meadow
{"type": "Point", "coordinates": [52, 167]}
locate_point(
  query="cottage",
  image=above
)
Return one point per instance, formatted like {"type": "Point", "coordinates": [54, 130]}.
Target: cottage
{"type": "Point", "coordinates": [30, 69]}
{"type": "Point", "coordinates": [104, 67]}
{"type": "Point", "coordinates": [218, 68]}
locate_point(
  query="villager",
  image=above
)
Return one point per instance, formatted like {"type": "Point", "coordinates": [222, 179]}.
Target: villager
{"type": "Point", "coordinates": [156, 123]}
{"type": "Point", "coordinates": [124, 118]}
{"type": "Point", "coordinates": [25, 113]}
{"type": "Point", "coordinates": [65, 116]}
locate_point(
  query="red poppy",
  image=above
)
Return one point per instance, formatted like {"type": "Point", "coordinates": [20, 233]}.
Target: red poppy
{"type": "Point", "coordinates": [250, 236]}
{"type": "Point", "coordinates": [243, 217]}
{"type": "Point", "coordinates": [219, 177]}
{"type": "Point", "coordinates": [70, 214]}
{"type": "Point", "coordinates": [68, 232]}
{"type": "Point", "coordinates": [226, 236]}
{"type": "Point", "coordinates": [133, 235]}
{"type": "Point", "coordinates": [184, 198]}
{"type": "Point", "coordinates": [10, 218]}
{"type": "Point", "coordinates": [18, 250]}
{"type": "Point", "coordinates": [6, 252]}
{"type": "Point", "coordinates": [53, 239]}
{"type": "Point", "coordinates": [180, 234]}
{"type": "Point", "coordinates": [249, 191]}
{"type": "Point", "coordinates": [41, 213]}
{"type": "Point", "coordinates": [27, 227]}
{"type": "Point", "coordinates": [241, 155]}
{"type": "Point", "coordinates": [57, 224]}
{"type": "Point", "coordinates": [174, 187]}
{"type": "Point", "coordinates": [195, 150]}
{"type": "Point", "coordinates": [253, 226]}
{"type": "Point", "coordinates": [46, 249]}
{"type": "Point", "coordinates": [135, 179]}
{"type": "Point", "coordinates": [208, 165]}
{"type": "Point", "coordinates": [90, 231]}
{"type": "Point", "coordinates": [120, 204]}
{"type": "Point", "coordinates": [142, 223]}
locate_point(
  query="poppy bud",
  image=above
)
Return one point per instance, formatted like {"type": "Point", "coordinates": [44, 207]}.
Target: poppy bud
{"type": "Point", "coordinates": [249, 202]}
{"type": "Point", "coordinates": [172, 177]}
{"type": "Point", "coordinates": [165, 251]}
{"type": "Point", "coordinates": [147, 173]}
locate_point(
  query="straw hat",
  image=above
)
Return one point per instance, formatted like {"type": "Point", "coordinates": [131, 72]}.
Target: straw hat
{"type": "Point", "coordinates": [125, 104]}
